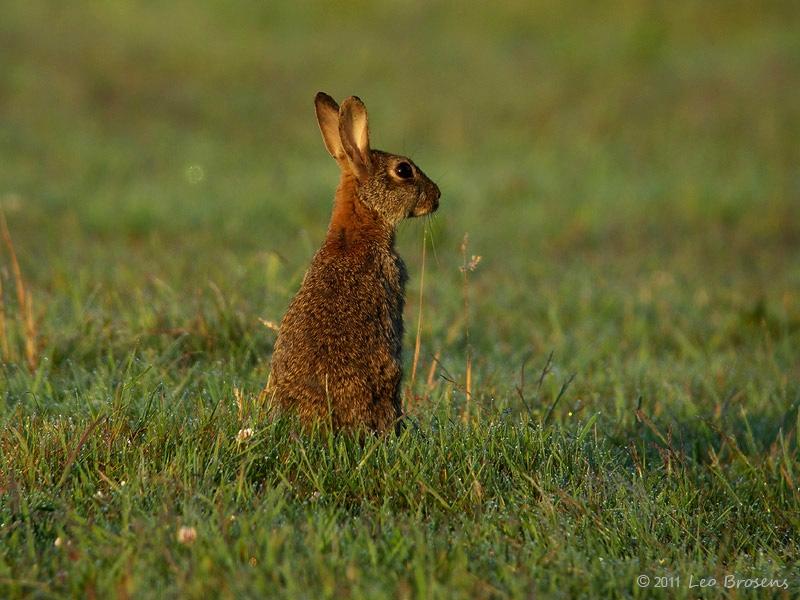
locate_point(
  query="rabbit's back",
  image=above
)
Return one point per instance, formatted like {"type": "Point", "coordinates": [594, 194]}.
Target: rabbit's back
{"type": "Point", "coordinates": [338, 353]}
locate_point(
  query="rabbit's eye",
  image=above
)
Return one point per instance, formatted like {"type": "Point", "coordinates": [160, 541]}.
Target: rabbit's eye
{"type": "Point", "coordinates": [404, 171]}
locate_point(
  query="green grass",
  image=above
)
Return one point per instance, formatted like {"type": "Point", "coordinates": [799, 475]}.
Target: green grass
{"type": "Point", "coordinates": [629, 176]}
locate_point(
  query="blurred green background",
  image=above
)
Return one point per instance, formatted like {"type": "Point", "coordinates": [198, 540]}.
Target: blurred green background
{"type": "Point", "coordinates": [631, 134]}
{"type": "Point", "coordinates": [628, 172]}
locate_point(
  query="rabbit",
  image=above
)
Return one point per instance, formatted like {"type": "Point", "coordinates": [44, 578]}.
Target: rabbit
{"type": "Point", "coordinates": [337, 356]}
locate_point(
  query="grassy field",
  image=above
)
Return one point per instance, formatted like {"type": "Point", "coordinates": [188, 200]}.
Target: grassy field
{"type": "Point", "coordinates": [629, 176]}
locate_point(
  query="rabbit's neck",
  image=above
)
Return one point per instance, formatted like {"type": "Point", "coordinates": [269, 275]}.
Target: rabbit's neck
{"type": "Point", "coordinates": [354, 225]}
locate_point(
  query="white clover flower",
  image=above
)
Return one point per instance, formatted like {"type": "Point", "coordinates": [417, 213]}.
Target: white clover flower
{"type": "Point", "coordinates": [244, 434]}
{"type": "Point", "coordinates": [187, 535]}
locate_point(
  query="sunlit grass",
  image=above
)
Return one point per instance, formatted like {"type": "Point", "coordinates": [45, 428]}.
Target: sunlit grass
{"type": "Point", "coordinates": [628, 176]}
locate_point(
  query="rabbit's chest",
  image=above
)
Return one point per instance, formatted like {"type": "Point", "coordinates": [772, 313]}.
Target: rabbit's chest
{"type": "Point", "coordinates": [393, 274]}
{"type": "Point", "coordinates": [396, 273]}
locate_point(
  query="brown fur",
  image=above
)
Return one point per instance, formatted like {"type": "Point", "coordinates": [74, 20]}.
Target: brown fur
{"type": "Point", "coordinates": [338, 356]}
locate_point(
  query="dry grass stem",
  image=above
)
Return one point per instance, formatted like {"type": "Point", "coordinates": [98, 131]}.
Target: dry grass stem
{"type": "Point", "coordinates": [432, 370]}
{"type": "Point", "coordinates": [24, 301]}
{"type": "Point", "coordinates": [419, 314]}
{"type": "Point", "coordinates": [4, 346]}
{"type": "Point", "coordinates": [466, 268]}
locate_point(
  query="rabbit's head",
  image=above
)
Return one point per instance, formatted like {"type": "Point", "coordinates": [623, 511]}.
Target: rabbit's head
{"type": "Point", "coordinates": [391, 185]}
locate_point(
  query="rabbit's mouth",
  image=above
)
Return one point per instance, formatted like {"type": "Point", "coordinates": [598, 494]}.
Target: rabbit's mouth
{"type": "Point", "coordinates": [426, 205]}
{"type": "Point", "coordinates": [424, 208]}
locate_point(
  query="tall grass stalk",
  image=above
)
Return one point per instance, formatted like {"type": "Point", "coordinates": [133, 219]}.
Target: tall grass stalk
{"type": "Point", "coordinates": [24, 304]}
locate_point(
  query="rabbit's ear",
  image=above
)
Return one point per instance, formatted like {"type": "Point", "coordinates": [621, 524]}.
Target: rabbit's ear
{"type": "Point", "coordinates": [354, 133]}
{"type": "Point", "coordinates": [328, 119]}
